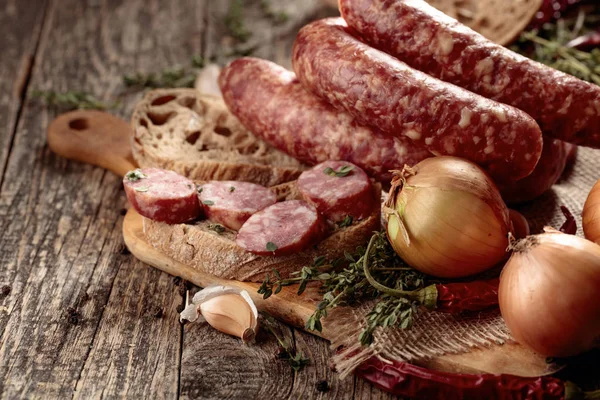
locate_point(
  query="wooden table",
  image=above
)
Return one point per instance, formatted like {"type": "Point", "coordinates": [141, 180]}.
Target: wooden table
{"type": "Point", "coordinates": [79, 316]}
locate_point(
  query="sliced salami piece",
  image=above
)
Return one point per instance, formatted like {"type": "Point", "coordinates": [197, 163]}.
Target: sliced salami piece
{"type": "Point", "coordinates": [565, 107]}
{"type": "Point", "coordinates": [338, 189]}
{"type": "Point", "coordinates": [162, 195]}
{"type": "Point", "coordinates": [271, 102]}
{"type": "Point", "coordinates": [379, 90]}
{"type": "Point", "coordinates": [231, 203]}
{"type": "Point", "coordinates": [282, 229]}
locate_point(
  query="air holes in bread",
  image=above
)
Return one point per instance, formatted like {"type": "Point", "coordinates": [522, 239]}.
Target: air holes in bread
{"type": "Point", "coordinates": [223, 131]}
{"type": "Point", "coordinates": [160, 119]}
{"type": "Point", "coordinates": [193, 137]}
{"type": "Point", "coordinates": [187, 102]}
{"type": "Point", "coordinates": [144, 123]}
{"type": "Point", "coordinates": [162, 100]}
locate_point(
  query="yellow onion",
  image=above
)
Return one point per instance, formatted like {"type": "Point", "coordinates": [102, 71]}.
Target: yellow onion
{"type": "Point", "coordinates": [519, 224]}
{"type": "Point", "coordinates": [446, 218]}
{"type": "Point", "coordinates": [549, 293]}
{"type": "Point", "coordinates": [591, 215]}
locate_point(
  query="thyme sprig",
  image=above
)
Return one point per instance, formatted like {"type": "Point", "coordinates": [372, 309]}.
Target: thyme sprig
{"type": "Point", "coordinates": [351, 284]}
{"type": "Point", "coordinates": [72, 100]}
{"type": "Point", "coordinates": [177, 77]}
{"type": "Point", "coordinates": [234, 21]}
{"type": "Point", "coordinates": [286, 352]}
{"type": "Point", "coordinates": [549, 45]}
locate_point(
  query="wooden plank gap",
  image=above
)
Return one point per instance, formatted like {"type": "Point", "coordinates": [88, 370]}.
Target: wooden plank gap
{"type": "Point", "coordinates": [112, 285]}
{"type": "Point", "coordinates": [22, 84]}
{"type": "Point", "coordinates": [179, 360]}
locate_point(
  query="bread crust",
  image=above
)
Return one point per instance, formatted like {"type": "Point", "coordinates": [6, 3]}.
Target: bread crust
{"type": "Point", "coordinates": [216, 253]}
{"type": "Point", "coordinates": [195, 135]}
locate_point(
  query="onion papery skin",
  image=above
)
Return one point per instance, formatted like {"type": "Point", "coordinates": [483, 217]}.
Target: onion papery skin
{"type": "Point", "coordinates": [549, 294]}
{"type": "Point", "coordinates": [591, 215]}
{"type": "Point", "coordinates": [455, 219]}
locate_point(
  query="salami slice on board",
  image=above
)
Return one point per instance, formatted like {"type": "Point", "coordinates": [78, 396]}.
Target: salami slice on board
{"type": "Point", "coordinates": [231, 203]}
{"type": "Point", "coordinates": [162, 195]}
{"type": "Point", "coordinates": [339, 190]}
{"type": "Point", "coordinates": [282, 229]}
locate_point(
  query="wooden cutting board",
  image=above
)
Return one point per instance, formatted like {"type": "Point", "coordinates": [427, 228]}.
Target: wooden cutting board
{"type": "Point", "coordinates": [102, 139]}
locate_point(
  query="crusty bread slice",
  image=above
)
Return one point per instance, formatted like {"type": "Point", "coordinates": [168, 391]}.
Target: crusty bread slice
{"type": "Point", "coordinates": [195, 135]}
{"type": "Point", "coordinates": [501, 21]}
{"type": "Point", "coordinates": [198, 246]}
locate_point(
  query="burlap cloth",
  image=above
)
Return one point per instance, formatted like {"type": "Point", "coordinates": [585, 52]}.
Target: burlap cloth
{"type": "Point", "coordinates": [436, 334]}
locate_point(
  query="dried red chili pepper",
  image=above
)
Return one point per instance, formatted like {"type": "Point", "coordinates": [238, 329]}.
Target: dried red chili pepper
{"type": "Point", "coordinates": [587, 42]}
{"type": "Point", "coordinates": [454, 298]}
{"type": "Point", "coordinates": [450, 298]}
{"type": "Point", "coordinates": [570, 225]}
{"type": "Point", "coordinates": [411, 381]}
{"type": "Point", "coordinates": [551, 10]}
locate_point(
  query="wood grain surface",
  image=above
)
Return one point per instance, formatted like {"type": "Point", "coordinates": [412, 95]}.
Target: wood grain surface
{"type": "Point", "coordinates": [79, 317]}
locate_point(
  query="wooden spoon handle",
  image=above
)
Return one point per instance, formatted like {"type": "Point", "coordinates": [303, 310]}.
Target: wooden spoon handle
{"type": "Point", "coordinates": [93, 137]}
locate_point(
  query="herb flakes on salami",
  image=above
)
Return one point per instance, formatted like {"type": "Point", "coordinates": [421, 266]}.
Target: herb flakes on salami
{"type": "Point", "coordinates": [339, 190]}
{"type": "Point", "coordinates": [162, 195]}
{"type": "Point", "coordinates": [282, 229]}
{"type": "Point", "coordinates": [231, 203]}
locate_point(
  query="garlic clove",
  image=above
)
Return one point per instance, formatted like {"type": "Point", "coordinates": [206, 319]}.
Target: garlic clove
{"type": "Point", "coordinates": [230, 314]}
{"type": "Point", "coordinates": [225, 308]}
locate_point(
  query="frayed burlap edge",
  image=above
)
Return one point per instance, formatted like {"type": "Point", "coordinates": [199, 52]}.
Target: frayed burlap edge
{"type": "Point", "coordinates": [436, 334]}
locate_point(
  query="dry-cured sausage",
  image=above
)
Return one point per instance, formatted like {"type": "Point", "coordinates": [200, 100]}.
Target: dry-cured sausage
{"type": "Point", "coordinates": [565, 107]}
{"type": "Point", "coordinates": [272, 104]}
{"type": "Point", "coordinates": [379, 90]}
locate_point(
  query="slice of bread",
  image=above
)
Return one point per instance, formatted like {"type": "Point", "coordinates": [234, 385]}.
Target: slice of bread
{"type": "Point", "coordinates": [200, 247]}
{"type": "Point", "coordinates": [195, 135]}
{"type": "Point", "coordinates": [501, 21]}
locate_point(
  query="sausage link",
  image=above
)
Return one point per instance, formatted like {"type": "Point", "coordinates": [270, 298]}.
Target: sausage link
{"type": "Point", "coordinates": [272, 104]}
{"type": "Point", "coordinates": [546, 173]}
{"type": "Point", "coordinates": [565, 107]}
{"type": "Point", "coordinates": [381, 91]}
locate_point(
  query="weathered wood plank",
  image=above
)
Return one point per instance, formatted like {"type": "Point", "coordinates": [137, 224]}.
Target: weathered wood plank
{"type": "Point", "coordinates": [136, 348]}
{"type": "Point", "coordinates": [213, 365]}
{"type": "Point", "coordinates": [319, 371]}
{"type": "Point", "coordinates": [60, 226]}
{"type": "Point", "coordinates": [20, 26]}
{"type": "Point", "coordinates": [218, 366]}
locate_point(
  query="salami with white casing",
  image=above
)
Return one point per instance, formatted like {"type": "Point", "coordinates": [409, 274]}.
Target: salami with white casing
{"type": "Point", "coordinates": [282, 229]}
{"type": "Point", "coordinates": [565, 107]}
{"type": "Point", "coordinates": [379, 90]}
{"type": "Point", "coordinates": [162, 195]}
{"type": "Point", "coordinates": [272, 104]}
{"type": "Point", "coordinates": [231, 203]}
{"type": "Point", "coordinates": [339, 190]}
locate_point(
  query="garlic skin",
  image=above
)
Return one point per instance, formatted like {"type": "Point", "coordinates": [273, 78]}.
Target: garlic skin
{"type": "Point", "coordinates": [225, 308]}
{"type": "Point", "coordinates": [549, 293]}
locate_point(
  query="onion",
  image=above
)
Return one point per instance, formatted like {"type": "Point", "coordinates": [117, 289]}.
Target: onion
{"type": "Point", "coordinates": [549, 293]}
{"type": "Point", "coordinates": [446, 218]}
{"type": "Point", "coordinates": [519, 224]}
{"type": "Point", "coordinates": [591, 215]}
